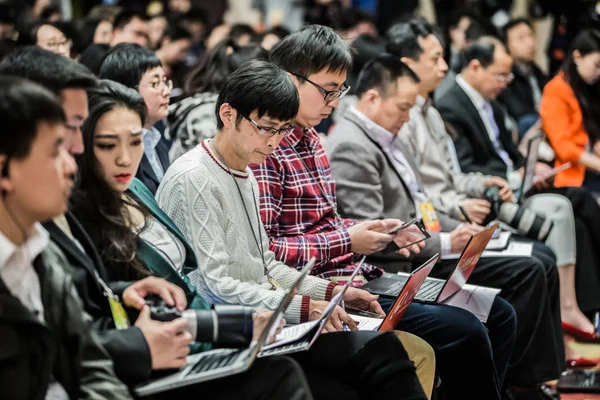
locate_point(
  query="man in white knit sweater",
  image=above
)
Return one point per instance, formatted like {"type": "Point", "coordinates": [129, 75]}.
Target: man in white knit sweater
{"type": "Point", "coordinates": [212, 196]}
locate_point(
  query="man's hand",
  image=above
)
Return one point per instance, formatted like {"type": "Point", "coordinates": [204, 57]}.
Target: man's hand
{"type": "Point", "coordinates": [404, 237]}
{"type": "Point", "coordinates": [505, 193]}
{"type": "Point", "coordinates": [360, 299]}
{"type": "Point", "coordinates": [172, 294]}
{"type": "Point", "coordinates": [476, 209]}
{"type": "Point", "coordinates": [338, 317]}
{"type": "Point", "coordinates": [367, 237]}
{"type": "Point", "coordinates": [261, 319]}
{"type": "Point", "coordinates": [461, 235]}
{"type": "Point", "coordinates": [169, 342]}
{"type": "Point", "coordinates": [542, 173]}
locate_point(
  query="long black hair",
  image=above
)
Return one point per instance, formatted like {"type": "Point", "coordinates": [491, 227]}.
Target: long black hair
{"type": "Point", "coordinates": [219, 63]}
{"type": "Point", "coordinates": [102, 210]}
{"type": "Point", "coordinates": [588, 96]}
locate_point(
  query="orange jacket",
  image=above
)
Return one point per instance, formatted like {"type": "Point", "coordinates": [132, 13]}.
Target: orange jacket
{"type": "Point", "coordinates": [563, 124]}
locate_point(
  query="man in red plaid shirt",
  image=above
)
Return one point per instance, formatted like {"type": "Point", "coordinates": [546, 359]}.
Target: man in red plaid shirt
{"type": "Point", "coordinates": [298, 209]}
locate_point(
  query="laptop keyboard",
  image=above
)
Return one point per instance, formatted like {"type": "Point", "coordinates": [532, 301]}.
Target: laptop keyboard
{"type": "Point", "coordinates": [216, 360]}
{"type": "Point", "coordinates": [284, 349]}
{"type": "Point", "coordinates": [429, 290]}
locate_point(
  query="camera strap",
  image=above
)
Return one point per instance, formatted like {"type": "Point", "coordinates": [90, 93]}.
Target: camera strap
{"type": "Point", "coordinates": [119, 314]}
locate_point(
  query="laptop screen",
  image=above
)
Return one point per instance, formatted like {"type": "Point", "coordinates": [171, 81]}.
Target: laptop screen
{"type": "Point", "coordinates": [275, 319]}
{"type": "Point", "coordinates": [407, 294]}
{"type": "Point", "coordinates": [467, 262]}
{"type": "Point", "coordinates": [532, 157]}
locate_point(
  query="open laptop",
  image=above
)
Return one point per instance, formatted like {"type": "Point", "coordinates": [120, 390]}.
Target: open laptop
{"type": "Point", "coordinates": [434, 290]}
{"type": "Point", "coordinates": [529, 173]}
{"type": "Point", "coordinates": [406, 296]}
{"type": "Point", "coordinates": [219, 363]}
{"type": "Point", "coordinates": [301, 337]}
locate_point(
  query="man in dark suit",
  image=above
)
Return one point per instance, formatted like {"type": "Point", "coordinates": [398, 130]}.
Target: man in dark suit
{"type": "Point", "coordinates": [483, 144]}
{"type": "Point", "coordinates": [140, 68]}
{"type": "Point", "coordinates": [522, 96]}
{"type": "Point", "coordinates": [135, 350]}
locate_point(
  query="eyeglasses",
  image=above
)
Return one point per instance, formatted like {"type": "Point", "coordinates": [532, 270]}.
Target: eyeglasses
{"type": "Point", "coordinates": [330, 95]}
{"type": "Point", "coordinates": [266, 131]}
{"type": "Point", "coordinates": [56, 45]}
{"type": "Point", "coordinates": [159, 85]}
{"type": "Point", "coordinates": [508, 78]}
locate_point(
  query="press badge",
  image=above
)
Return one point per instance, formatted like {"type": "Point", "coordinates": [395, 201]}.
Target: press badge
{"type": "Point", "coordinates": [429, 216]}
{"type": "Point", "coordinates": [118, 312]}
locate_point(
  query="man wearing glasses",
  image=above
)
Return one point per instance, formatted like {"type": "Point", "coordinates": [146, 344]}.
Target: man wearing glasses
{"type": "Point", "coordinates": [140, 68]}
{"type": "Point", "coordinates": [298, 209]}
{"type": "Point", "coordinates": [483, 144]}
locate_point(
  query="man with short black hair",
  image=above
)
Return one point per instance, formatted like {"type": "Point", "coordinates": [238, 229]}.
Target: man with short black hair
{"type": "Point", "coordinates": [299, 206]}
{"type": "Point", "coordinates": [522, 96]}
{"type": "Point", "coordinates": [48, 348]}
{"type": "Point", "coordinates": [141, 69]}
{"type": "Point", "coordinates": [130, 27]}
{"type": "Point", "coordinates": [213, 183]}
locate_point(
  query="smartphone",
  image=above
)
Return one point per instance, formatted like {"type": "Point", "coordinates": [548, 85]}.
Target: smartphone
{"type": "Point", "coordinates": [400, 226]}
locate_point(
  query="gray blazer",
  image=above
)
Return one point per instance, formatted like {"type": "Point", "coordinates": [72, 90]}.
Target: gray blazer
{"type": "Point", "coordinates": [428, 141]}
{"type": "Point", "coordinates": [369, 186]}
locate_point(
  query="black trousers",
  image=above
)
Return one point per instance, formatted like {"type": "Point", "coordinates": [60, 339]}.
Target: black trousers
{"type": "Point", "coordinates": [531, 286]}
{"type": "Point", "coordinates": [339, 365]}
{"type": "Point", "coordinates": [272, 378]}
{"type": "Point", "coordinates": [465, 355]}
{"type": "Point", "coordinates": [587, 227]}
{"type": "Point", "coordinates": [360, 365]}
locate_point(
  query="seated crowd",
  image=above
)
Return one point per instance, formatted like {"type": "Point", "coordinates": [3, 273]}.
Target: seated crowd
{"type": "Point", "coordinates": [131, 176]}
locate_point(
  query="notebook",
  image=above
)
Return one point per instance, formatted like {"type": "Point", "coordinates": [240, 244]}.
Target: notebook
{"type": "Point", "coordinates": [301, 337]}
{"type": "Point", "coordinates": [219, 363]}
{"type": "Point", "coordinates": [434, 290]}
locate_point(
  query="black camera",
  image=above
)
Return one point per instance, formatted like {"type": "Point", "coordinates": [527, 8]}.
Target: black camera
{"type": "Point", "coordinates": [526, 222]}
{"type": "Point", "coordinates": [228, 326]}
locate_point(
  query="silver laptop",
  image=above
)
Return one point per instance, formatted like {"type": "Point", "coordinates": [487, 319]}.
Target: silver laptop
{"type": "Point", "coordinates": [219, 363]}
{"type": "Point", "coordinates": [301, 337]}
{"type": "Point", "coordinates": [529, 173]}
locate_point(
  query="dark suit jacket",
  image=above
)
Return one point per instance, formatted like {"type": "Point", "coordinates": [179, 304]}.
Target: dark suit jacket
{"type": "Point", "coordinates": [145, 172]}
{"type": "Point", "coordinates": [128, 347]}
{"type": "Point", "coordinates": [518, 96]}
{"type": "Point", "coordinates": [475, 150]}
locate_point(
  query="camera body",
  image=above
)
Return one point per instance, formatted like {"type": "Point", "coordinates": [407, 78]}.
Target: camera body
{"type": "Point", "coordinates": [526, 222]}
{"type": "Point", "coordinates": [228, 326]}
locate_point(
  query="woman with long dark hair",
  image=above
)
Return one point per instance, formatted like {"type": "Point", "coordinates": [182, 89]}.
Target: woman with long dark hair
{"type": "Point", "coordinates": [193, 119]}
{"type": "Point", "coordinates": [134, 238]}
{"type": "Point", "coordinates": [570, 113]}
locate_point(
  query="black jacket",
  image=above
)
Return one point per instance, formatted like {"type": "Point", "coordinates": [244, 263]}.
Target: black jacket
{"type": "Point", "coordinates": [145, 172]}
{"type": "Point", "coordinates": [517, 98]}
{"type": "Point", "coordinates": [475, 150]}
{"type": "Point", "coordinates": [128, 347]}
{"type": "Point", "coordinates": [63, 347]}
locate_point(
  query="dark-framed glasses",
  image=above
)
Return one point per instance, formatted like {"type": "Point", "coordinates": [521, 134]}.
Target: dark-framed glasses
{"type": "Point", "coordinates": [330, 95]}
{"type": "Point", "coordinates": [268, 131]}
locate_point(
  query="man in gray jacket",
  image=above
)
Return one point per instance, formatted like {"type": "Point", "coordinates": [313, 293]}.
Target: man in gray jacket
{"type": "Point", "coordinates": [377, 178]}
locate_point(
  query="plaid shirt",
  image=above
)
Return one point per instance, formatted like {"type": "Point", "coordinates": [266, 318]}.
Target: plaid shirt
{"type": "Point", "coordinates": [300, 221]}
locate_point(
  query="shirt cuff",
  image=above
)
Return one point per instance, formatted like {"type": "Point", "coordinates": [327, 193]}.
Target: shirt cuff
{"type": "Point", "coordinates": [298, 310]}
{"type": "Point", "coordinates": [445, 243]}
{"type": "Point", "coordinates": [329, 291]}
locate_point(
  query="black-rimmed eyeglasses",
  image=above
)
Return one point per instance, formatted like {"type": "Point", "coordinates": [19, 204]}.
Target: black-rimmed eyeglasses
{"type": "Point", "coordinates": [267, 131]}
{"type": "Point", "coordinates": [330, 95]}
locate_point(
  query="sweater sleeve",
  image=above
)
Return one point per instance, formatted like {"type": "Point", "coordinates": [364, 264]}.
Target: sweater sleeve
{"type": "Point", "coordinates": [190, 202]}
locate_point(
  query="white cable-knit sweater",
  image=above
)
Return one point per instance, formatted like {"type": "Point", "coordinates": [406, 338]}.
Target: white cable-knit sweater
{"type": "Point", "coordinates": [201, 197]}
